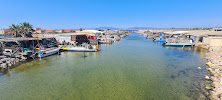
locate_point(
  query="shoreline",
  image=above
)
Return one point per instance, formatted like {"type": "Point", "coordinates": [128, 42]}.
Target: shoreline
{"type": "Point", "coordinates": [214, 66]}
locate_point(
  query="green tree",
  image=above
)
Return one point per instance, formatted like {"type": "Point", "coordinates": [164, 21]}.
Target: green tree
{"type": "Point", "coordinates": [26, 28]}
{"type": "Point", "coordinates": [207, 28]}
{"type": "Point", "coordinates": [22, 29]}
{"type": "Point", "coordinates": [15, 29]}
{"type": "Point", "coordinates": [80, 29]}
{"type": "Point", "coordinates": [108, 29]}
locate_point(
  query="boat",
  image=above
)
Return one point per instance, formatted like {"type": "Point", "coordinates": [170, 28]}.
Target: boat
{"type": "Point", "coordinates": [178, 44]}
{"type": "Point", "coordinates": [48, 51]}
{"type": "Point", "coordinates": [122, 36]}
{"type": "Point", "coordinates": [87, 48]}
{"type": "Point", "coordinates": [105, 40]}
{"type": "Point", "coordinates": [159, 40]}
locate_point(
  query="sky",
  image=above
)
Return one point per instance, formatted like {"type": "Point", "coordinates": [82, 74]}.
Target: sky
{"type": "Point", "coordinates": [75, 14]}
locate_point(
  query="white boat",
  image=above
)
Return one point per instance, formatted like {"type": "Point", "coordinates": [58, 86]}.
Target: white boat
{"type": "Point", "coordinates": [48, 51]}
{"type": "Point", "coordinates": [88, 48]}
{"type": "Point", "coordinates": [122, 36]}
{"type": "Point", "coordinates": [105, 42]}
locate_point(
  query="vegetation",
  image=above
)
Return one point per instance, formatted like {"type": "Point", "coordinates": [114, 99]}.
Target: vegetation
{"type": "Point", "coordinates": [80, 29]}
{"type": "Point", "coordinates": [207, 28]}
{"type": "Point", "coordinates": [196, 28]}
{"type": "Point", "coordinates": [21, 30]}
{"type": "Point", "coordinates": [15, 29]}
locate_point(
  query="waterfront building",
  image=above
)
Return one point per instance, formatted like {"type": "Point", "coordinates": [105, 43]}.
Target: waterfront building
{"type": "Point", "coordinates": [58, 31]}
{"type": "Point", "coordinates": [50, 31]}
{"type": "Point", "coordinates": [4, 31]}
{"type": "Point", "coordinates": [217, 29]}
{"type": "Point", "coordinates": [92, 31]}
{"type": "Point", "coordinates": [76, 31]}
{"type": "Point", "coordinates": [38, 30]}
{"type": "Point", "coordinates": [67, 31]}
{"type": "Point", "coordinates": [73, 38]}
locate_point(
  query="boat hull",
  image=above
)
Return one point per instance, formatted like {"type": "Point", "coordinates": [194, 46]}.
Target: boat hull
{"type": "Point", "coordinates": [81, 49]}
{"type": "Point", "coordinates": [178, 44]}
{"type": "Point", "coordinates": [160, 40]}
{"type": "Point", "coordinates": [52, 52]}
{"type": "Point", "coordinates": [105, 42]}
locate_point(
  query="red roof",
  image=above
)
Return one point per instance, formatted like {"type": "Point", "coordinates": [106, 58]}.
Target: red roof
{"type": "Point", "coordinates": [50, 30]}
{"type": "Point", "coordinates": [67, 30]}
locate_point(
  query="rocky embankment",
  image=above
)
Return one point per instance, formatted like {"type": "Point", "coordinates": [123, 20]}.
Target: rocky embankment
{"type": "Point", "coordinates": [214, 57]}
{"type": "Point", "coordinates": [8, 61]}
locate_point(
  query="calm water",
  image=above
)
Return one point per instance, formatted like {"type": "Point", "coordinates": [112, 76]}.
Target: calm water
{"type": "Point", "coordinates": [133, 69]}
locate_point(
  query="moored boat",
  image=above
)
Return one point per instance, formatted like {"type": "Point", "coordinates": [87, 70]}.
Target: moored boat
{"type": "Point", "coordinates": [87, 48]}
{"type": "Point", "coordinates": [48, 51]}
{"type": "Point", "coordinates": [159, 40]}
{"type": "Point", "coordinates": [178, 44]}
{"type": "Point", "coordinates": [105, 40]}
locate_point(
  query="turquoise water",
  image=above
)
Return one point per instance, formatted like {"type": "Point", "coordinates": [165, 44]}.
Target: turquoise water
{"type": "Point", "coordinates": [133, 69]}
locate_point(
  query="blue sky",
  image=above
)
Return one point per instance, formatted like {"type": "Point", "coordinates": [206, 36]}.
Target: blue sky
{"type": "Point", "coordinates": [74, 14]}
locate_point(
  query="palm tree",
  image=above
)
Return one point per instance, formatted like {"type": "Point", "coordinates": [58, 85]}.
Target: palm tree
{"type": "Point", "coordinates": [26, 28]}
{"type": "Point", "coordinates": [15, 29]}
{"type": "Point", "coordinates": [23, 29]}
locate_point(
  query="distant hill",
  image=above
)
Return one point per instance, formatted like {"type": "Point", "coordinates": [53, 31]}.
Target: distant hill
{"type": "Point", "coordinates": [142, 28]}
{"type": "Point", "coordinates": [105, 28]}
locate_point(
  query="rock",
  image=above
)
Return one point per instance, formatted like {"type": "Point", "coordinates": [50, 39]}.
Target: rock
{"type": "Point", "coordinates": [9, 64]}
{"type": "Point", "coordinates": [216, 84]}
{"type": "Point", "coordinates": [207, 78]}
{"type": "Point", "coordinates": [198, 68]}
{"type": "Point", "coordinates": [209, 64]}
{"type": "Point", "coordinates": [214, 79]}
{"type": "Point", "coordinates": [220, 74]}
{"type": "Point", "coordinates": [208, 87]}
{"type": "Point", "coordinates": [213, 97]}
{"type": "Point", "coordinates": [218, 91]}
{"type": "Point", "coordinates": [216, 75]}
{"type": "Point", "coordinates": [4, 65]}
{"type": "Point", "coordinates": [17, 60]}
{"type": "Point", "coordinates": [217, 70]}
{"type": "Point", "coordinates": [23, 58]}
{"type": "Point", "coordinates": [211, 71]}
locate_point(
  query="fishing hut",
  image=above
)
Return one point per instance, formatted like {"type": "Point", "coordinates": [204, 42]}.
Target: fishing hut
{"type": "Point", "coordinates": [15, 50]}
{"type": "Point", "coordinates": [73, 38]}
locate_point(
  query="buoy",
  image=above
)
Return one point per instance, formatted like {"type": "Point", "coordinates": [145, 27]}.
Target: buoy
{"type": "Point", "coordinates": [97, 46]}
